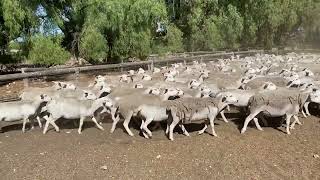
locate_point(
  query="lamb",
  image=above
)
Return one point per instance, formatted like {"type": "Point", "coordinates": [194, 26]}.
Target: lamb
{"type": "Point", "coordinates": [187, 110]}
{"type": "Point", "coordinates": [284, 102]}
{"type": "Point", "coordinates": [71, 108]}
{"type": "Point", "coordinates": [22, 110]}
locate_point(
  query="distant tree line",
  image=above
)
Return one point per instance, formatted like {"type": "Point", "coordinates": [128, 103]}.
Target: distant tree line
{"type": "Point", "coordinates": [52, 31]}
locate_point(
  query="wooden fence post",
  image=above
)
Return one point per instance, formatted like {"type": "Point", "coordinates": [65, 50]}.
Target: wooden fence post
{"type": "Point", "coordinates": [25, 80]}
{"type": "Point", "coordinates": [121, 69]}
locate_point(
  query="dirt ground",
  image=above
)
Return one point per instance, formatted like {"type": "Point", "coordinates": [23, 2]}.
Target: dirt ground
{"type": "Point", "coordinates": [96, 154]}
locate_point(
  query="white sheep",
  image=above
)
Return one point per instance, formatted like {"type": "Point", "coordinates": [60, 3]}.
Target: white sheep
{"type": "Point", "coordinates": [22, 110]}
{"type": "Point", "coordinates": [70, 108]}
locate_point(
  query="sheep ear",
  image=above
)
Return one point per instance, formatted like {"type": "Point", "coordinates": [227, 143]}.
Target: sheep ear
{"type": "Point", "coordinates": [42, 96]}
{"type": "Point", "coordinates": [265, 86]}
{"type": "Point", "coordinates": [135, 86]}
{"type": "Point", "coordinates": [224, 99]}
{"type": "Point", "coordinates": [65, 86]}
{"type": "Point", "coordinates": [59, 84]}
{"type": "Point", "coordinates": [314, 89]}
{"type": "Point", "coordinates": [201, 95]}
{"type": "Point", "coordinates": [104, 94]}
{"type": "Point", "coordinates": [101, 87]}
{"type": "Point", "coordinates": [86, 94]}
{"type": "Point", "coordinates": [165, 91]}
{"type": "Point", "coordinates": [150, 92]}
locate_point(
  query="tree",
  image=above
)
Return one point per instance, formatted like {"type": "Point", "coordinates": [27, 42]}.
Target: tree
{"type": "Point", "coordinates": [93, 46]}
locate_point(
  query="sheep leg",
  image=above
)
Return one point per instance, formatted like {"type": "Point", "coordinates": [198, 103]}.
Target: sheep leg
{"type": "Point", "coordinates": [175, 121]}
{"type": "Point", "coordinates": [296, 120]}
{"type": "Point", "coordinates": [51, 121]}
{"type": "Point", "coordinates": [223, 116]}
{"type": "Point", "coordinates": [126, 123]}
{"type": "Point", "coordinates": [39, 122]}
{"type": "Point", "coordinates": [228, 107]}
{"type": "Point", "coordinates": [304, 115]}
{"type": "Point", "coordinates": [114, 123]}
{"type": "Point", "coordinates": [185, 132]}
{"type": "Point", "coordinates": [81, 124]}
{"type": "Point", "coordinates": [256, 122]}
{"type": "Point", "coordinates": [145, 126]}
{"type": "Point", "coordinates": [45, 129]}
{"type": "Point", "coordinates": [247, 120]}
{"type": "Point", "coordinates": [306, 107]}
{"type": "Point", "coordinates": [142, 131]}
{"type": "Point", "coordinates": [288, 117]}
{"type": "Point", "coordinates": [32, 123]}
{"type": "Point", "coordinates": [203, 129]}
{"type": "Point", "coordinates": [24, 124]}
{"type": "Point", "coordinates": [97, 124]}
{"type": "Point", "coordinates": [211, 119]}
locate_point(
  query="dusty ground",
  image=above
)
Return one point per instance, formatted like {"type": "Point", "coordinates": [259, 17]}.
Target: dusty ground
{"type": "Point", "coordinates": [67, 155]}
{"type": "Point", "coordinates": [255, 155]}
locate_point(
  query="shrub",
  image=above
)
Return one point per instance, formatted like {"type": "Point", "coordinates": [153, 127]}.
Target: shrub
{"type": "Point", "coordinates": [47, 52]}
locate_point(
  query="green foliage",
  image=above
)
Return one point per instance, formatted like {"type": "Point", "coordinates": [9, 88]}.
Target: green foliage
{"type": "Point", "coordinates": [93, 45]}
{"type": "Point", "coordinates": [118, 29]}
{"type": "Point", "coordinates": [45, 51]}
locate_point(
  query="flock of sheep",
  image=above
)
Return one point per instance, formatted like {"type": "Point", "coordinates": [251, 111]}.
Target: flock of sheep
{"type": "Point", "coordinates": [261, 85]}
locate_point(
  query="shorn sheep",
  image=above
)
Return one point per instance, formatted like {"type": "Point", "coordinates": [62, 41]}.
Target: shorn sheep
{"type": "Point", "coordinates": [283, 103]}
{"type": "Point", "coordinates": [187, 110]}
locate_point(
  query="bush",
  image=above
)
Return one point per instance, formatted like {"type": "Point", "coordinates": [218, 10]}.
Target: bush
{"type": "Point", "coordinates": [47, 52]}
{"type": "Point", "coordinates": [93, 46]}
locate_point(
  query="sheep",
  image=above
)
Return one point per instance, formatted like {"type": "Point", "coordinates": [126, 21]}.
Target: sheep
{"type": "Point", "coordinates": [155, 112]}
{"type": "Point", "coordinates": [22, 110]}
{"type": "Point", "coordinates": [156, 70]}
{"type": "Point", "coordinates": [125, 78]}
{"type": "Point", "coordinates": [284, 102]}
{"type": "Point", "coordinates": [63, 85]}
{"type": "Point", "coordinates": [71, 108]}
{"type": "Point", "coordinates": [146, 77]}
{"type": "Point", "coordinates": [126, 105]}
{"type": "Point", "coordinates": [257, 82]}
{"type": "Point", "coordinates": [140, 71]}
{"type": "Point", "coordinates": [300, 82]}
{"type": "Point", "coordinates": [243, 96]}
{"type": "Point", "coordinates": [138, 86]}
{"type": "Point", "coordinates": [187, 110]}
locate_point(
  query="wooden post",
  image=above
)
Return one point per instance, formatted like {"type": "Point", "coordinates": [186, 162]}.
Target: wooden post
{"type": "Point", "coordinates": [121, 69]}
{"type": "Point", "coordinates": [25, 80]}
{"type": "Point", "coordinates": [77, 73]}
{"type": "Point", "coordinates": [152, 64]}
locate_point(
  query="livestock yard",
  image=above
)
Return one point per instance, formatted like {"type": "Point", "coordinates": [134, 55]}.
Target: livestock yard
{"type": "Point", "coordinates": [239, 87]}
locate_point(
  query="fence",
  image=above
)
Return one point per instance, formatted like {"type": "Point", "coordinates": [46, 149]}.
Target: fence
{"type": "Point", "coordinates": [153, 61]}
